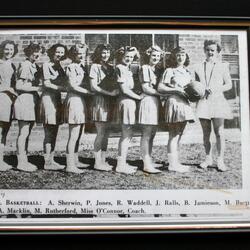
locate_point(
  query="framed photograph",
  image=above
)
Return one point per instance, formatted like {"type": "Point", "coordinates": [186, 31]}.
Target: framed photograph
{"type": "Point", "coordinates": [114, 125]}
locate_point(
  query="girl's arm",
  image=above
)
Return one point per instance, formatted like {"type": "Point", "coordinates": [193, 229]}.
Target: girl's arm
{"type": "Point", "coordinates": [165, 85]}
{"type": "Point", "coordinates": [164, 89]}
{"type": "Point", "coordinates": [125, 90]}
{"type": "Point", "coordinates": [145, 79]}
{"type": "Point", "coordinates": [4, 88]}
{"type": "Point", "coordinates": [93, 75]}
{"type": "Point", "coordinates": [47, 83]}
{"type": "Point", "coordinates": [23, 85]}
{"type": "Point", "coordinates": [79, 89]}
{"type": "Point", "coordinates": [95, 87]}
{"type": "Point", "coordinates": [149, 90]}
{"type": "Point", "coordinates": [72, 76]}
{"type": "Point", "coordinates": [227, 80]}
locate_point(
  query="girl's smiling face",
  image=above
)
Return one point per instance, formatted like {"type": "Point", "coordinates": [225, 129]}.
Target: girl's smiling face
{"type": "Point", "coordinates": [59, 53]}
{"type": "Point", "coordinates": [8, 51]}
{"type": "Point", "coordinates": [81, 55]}
{"type": "Point", "coordinates": [181, 58]}
{"type": "Point", "coordinates": [155, 57]}
{"type": "Point", "coordinates": [105, 55]}
{"type": "Point", "coordinates": [128, 57]}
{"type": "Point", "coordinates": [35, 56]}
{"type": "Point", "coordinates": [211, 52]}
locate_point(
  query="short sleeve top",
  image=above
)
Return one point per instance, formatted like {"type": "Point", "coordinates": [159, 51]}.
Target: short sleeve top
{"type": "Point", "coordinates": [7, 73]}
{"type": "Point", "coordinates": [103, 75]}
{"type": "Point", "coordinates": [150, 75]}
{"type": "Point", "coordinates": [78, 74]}
{"type": "Point", "coordinates": [181, 76]}
{"type": "Point", "coordinates": [124, 75]}
{"type": "Point", "coordinates": [55, 73]}
{"type": "Point", "coordinates": [30, 72]}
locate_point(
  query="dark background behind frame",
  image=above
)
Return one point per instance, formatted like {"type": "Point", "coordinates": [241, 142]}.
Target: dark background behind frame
{"type": "Point", "coordinates": [224, 8]}
{"type": "Point", "coordinates": [188, 241]}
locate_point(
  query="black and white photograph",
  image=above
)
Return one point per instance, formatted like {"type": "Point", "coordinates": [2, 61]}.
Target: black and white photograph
{"type": "Point", "coordinates": [116, 123]}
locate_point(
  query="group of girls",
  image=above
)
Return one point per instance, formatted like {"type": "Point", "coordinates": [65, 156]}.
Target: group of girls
{"type": "Point", "coordinates": [105, 94]}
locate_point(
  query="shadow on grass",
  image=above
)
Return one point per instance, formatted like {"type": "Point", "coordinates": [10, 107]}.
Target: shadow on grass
{"type": "Point", "coordinates": [38, 160]}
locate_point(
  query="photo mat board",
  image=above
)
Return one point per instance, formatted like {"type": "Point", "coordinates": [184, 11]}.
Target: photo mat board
{"type": "Point", "coordinates": [97, 199]}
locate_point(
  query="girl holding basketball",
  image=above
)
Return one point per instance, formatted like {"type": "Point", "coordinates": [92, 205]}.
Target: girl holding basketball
{"type": "Point", "coordinates": [213, 108]}
{"type": "Point", "coordinates": [177, 111]}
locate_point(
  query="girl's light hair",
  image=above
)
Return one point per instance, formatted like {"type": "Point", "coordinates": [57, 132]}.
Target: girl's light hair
{"type": "Point", "coordinates": [125, 49]}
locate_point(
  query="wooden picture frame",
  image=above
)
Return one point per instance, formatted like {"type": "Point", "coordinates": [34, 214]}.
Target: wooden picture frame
{"type": "Point", "coordinates": [96, 201]}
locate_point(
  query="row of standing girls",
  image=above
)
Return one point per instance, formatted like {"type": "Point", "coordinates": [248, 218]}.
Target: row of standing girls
{"type": "Point", "coordinates": [100, 84]}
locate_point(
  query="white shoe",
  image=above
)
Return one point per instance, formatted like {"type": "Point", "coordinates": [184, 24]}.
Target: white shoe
{"type": "Point", "coordinates": [100, 163]}
{"type": "Point", "coordinates": [149, 167]}
{"type": "Point", "coordinates": [221, 165]}
{"type": "Point", "coordinates": [104, 162]}
{"type": "Point", "coordinates": [4, 166]}
{"type": "Point", "coordinates": [180, 168]}
{"type": "Point", "coordinates": [24, 165]}
{"type": "Point", "coordinates": [71, 165]}
{"type": "Point", "coordinates": [175, 166]}
{"type": "Point", "coordinates": [156, 165]}
{"type": "Point", "coordinates": [208, 162]}
{"type": "Point", "coordinates": [123, 167]}
{"type": "Point", "coordinates": [50, 164]}
{"type": "Point", "coordinates": [78, 163]}
{"type": "Point", "coordinates": [103, 167]}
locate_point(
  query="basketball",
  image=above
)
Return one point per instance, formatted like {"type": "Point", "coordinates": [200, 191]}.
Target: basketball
{"type": "Point", "coordinates": [195, 91]}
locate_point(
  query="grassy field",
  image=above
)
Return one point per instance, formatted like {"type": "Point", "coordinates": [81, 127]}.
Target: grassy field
{"type": "Point", "coordinates": [191, 154]}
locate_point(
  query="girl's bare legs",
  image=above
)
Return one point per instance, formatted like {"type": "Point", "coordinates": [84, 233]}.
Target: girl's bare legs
{"type": "Point", "coordinates": [104, 146]}
{"type": "Point", "coordinates": [22, 146]}
{"type": "Point", "coordinates": [146, 149]}
{"type": "Point", "coordinates": [49, 147]}
{"type": "Point", "coordinates": [77, 162]}
{"type": "Point", "coordinates": [122, 166]}
{"type": "Point", "coordinates": [218, 124]}
{"type": "Point", "coordinates": [206, 128]}
{"type": "Point", "coordinates": [175, 133]}
{"type": "Point", "coordinates": [154, 129]}
{"type": "Point", "coordinates": [74, 131]}
{"type": "Point", "coordinates": [4, 129]}
{"type": "Point", "coordinates": [100, 144]}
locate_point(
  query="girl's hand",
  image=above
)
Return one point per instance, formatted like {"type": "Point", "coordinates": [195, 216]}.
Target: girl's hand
{"type": "Point", "coordinates": [208, 92]}
{"type": "Point", "coordinates": [39, 88]}
{"type": "Point", "coordinates": [142, 95]}
{"type": "Point", "coordinates": [60, 88]}
{"type": "Point", "coordinates": [114, 92]}
{"type": "Point", "coordinates": [91, 93]}
{"type": "Point", "coordinates": [12, 91]}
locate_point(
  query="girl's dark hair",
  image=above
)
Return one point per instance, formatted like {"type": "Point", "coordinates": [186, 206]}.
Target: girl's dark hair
{"type": "Point", "coordinates": [97, 55]}
{"type": "Point", "coordinates": [149, 51]}
{"type": "Point", "coordinates": [172, 60]}
{"type": "Point", "coordinates": [212, 42]}
{"type": "Point", "coordinates": [33, 47]}
{"type": "Point", "coordinates": [123, 50]}
{"type": "Point", "coordinates": [4, 43]}
{"type": "Point", "coordinates": [73, 51]}
{"type": "Point", "coordinates": [51, 51]}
